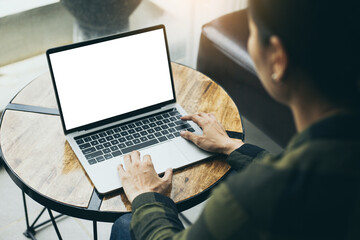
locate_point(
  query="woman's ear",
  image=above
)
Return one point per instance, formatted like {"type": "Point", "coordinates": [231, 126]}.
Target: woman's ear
{"type": "Point", "coordinates": [278, 59]}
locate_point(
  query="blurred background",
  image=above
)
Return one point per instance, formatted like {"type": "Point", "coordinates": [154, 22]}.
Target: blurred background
{"type": "Point", "coordinates": [29, 28]}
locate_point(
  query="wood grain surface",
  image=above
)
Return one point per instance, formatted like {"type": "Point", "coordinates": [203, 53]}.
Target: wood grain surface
{"type": "Point", "coordinates": [35, 148]}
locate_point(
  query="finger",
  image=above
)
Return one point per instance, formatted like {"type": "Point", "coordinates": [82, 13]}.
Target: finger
{"type": "Point", "coordinates": [195, 118]}
{"type": "Point", "coordinates": [189, 136]}
{"type": "Point", "coordinates": [127, 161]}
{"type": "Point", "coordinates": [212, 115]}
{"type": "Point", "coordinates": [135, 157]}
{"type": "Point", "coordinates": [168, 175]}
{"type": "Point", "coordinates": [147, 159]}
{"type": "Point", "coordinates": [121, 171]}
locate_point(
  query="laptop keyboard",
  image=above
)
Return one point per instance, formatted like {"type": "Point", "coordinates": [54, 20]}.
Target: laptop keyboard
{"type": "Point", "coordinates": [121, 139]}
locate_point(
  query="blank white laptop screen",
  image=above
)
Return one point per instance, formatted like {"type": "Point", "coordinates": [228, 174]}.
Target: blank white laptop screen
{"type": "Point", "coordinates": [110, 78]}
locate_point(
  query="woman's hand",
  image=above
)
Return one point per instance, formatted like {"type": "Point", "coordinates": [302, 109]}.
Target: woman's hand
{"type": "Point", "coordinates": [214, 138]}
{"type": "Point", "coordinates": [140, 176]}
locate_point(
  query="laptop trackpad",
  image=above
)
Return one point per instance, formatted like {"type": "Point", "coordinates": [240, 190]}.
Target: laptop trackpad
{"type": "Point", "coordinates": [165, 156]}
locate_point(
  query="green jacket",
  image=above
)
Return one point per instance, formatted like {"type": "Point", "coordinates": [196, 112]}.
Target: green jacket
{"type": "Point", "coordinates": [310, 191]}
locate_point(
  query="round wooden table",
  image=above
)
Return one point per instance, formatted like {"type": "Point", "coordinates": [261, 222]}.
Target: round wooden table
{"type": "Point", "coordinates": [41, 162]}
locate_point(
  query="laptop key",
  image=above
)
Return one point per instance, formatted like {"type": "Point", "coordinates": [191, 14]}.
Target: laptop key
{"type": "Point", "coordinates": [136, 135]}
{"type": "Point", "coordinates": [93, 143]}
{"type": "Point", "coordinates": [165, 132]}
{"type": "Point", "coordinates": [131, 125]}
{"type": "Point", "coordinates": [173, 113]}
{"type": "Point", "coordinates": [138, 123]}
{"type": "Point", "coordinates": [102, 134]}
{"type": "Point", "coordinates": [89, 150]}
{"type": "Point", "coordinates": [138, 129]}
{"type": "Point", "coordinates": [173, 118]}
{"type": "Point", "coordinates": [136, 141]}
{"type": "Point", "coordinates": [107, 144]}
{"type": "Point", "coordinates": [122, 139]}
{"type": "Point", "coordinates": [166, 115]}
{"type": "Point", "coordinates": [164, 126]}
{"type": "Point", "coordinates": [191, 130]}
{"type": "Point", "coordinates": [172, 130]}
{"type": "Point", "coordinates": [139, 146]}
{"type": "Point", "coordinates": [114, 142]}
{"type": "Point", "coordinates": [159, 117]}
{"type": "Point", "coordinates": [151, 131]}
{"type": "Point", "coordinates": [166, 120]}
{"type": "Point", "coordinates": [129, 137]}
{"type": "Point", "coordinates": [159, 123]}
{"type": "Point", "coordinates": [124, 133]}
{"type": "Point", "coordinates": [108, 156]}
{"type": "Point", "coordinates": [106, 150]}
{"type": "Point", "coordinates": [116, 153]}
{"type": "Point", "coordinates": [170, 136]}
{"type": "Point", "coordinates": [87, 139]}
{"type": "Point", "coordinates": [143, 133]}
{"type": "Point", "coordinates": [109, 132]}
{"type": "Point", "coordinates": [124, 128]}
{"type": "Point", "coordinates": [145, 121]}
{"type": "Point", "coordinates": [152, 124]}
{"type": "Point", "coordinates": [129, 143]}
{"type": "Point", "coordinates": [182, 126]}
{"type": "Point", "coordinates": [150, 136]}
{"type": "Point", "coordinates": [180, 122]}
{"type": "Point", "coordinates": [117, 135]}
{"type": "Point", "coordinates": [162, 139]}
{"type": "Point", "coordinates": [84, 146]}
{"type": "Point", "coordinates": [109, 138]}
{"type": "Point", "coordinates": [176, 134]}
{"type": "Point", "coordinates": [116, 130]}
{"type": "Point", "coordinates": [99, 147]}
{"type": "Point", "coordinates": [131, 131]}
{"type": "Point", "coordinates": [80, 141]}
{"type": "Point", "coordinates": [143, 139]}
{"type": "Point", "coordinates": [114, 148]}
{"type": "Point", "coordinates": [100, 159]}
{"type": "Point", "coordinates": [157, 134]}
{"type": "Point", "coordinates": [121, 145]}
{"type": "Point", "coordinates": [94, 137]}
{"type": "Point", "coordinates": [92, 161]}
{"type": "Point", "coordinates": [93, 155]}
{"type": "Point", "coordinates": [152, 119]}
{"type": "Point", "coordinates": [102, 140]}
{"type": "Point", "coordinates": [158, 129]}
{"type": "Point", "coordinates": [171, 124]}
{"type": "Point", "coordinates": [145, 127]}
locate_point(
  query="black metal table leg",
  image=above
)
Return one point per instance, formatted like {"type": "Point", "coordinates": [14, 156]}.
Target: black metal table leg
{"type": "Point", "coordinates": [95, 230]}
{"type": "Point", "coordinates": [54, 224]}
{"type": "Point", "coordinates": [31, 230]}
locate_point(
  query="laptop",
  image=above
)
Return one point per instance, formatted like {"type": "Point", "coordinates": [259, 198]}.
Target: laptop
{"type": "Point", "coordinates": [115, 95]}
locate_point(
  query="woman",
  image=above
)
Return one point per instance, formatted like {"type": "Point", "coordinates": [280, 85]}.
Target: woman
{"type": "Point", "coordinates": [306, 55]}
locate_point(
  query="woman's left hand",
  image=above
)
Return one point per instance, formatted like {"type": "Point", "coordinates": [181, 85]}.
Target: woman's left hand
{"type": "Point", "coordinates": [140, 176]}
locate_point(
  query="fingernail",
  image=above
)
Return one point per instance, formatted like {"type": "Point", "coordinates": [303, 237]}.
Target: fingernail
{"type": "Point", "coordinates": [182, 132]}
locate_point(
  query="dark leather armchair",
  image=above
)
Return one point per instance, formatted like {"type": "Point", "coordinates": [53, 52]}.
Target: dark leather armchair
{"type": "Point", "coordinates": [223, 57]}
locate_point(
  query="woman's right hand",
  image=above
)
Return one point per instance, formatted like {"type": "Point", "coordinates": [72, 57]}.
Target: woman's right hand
{"type": "Point", "coordinates": [214, 138]}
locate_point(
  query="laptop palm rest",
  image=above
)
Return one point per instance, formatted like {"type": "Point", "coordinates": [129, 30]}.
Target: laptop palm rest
{"type": "Point", "coordinates": [163, 156]}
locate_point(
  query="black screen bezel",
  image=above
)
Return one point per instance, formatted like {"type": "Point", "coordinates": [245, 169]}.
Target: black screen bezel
{"type": "Point", "coordinates": [121, 116]}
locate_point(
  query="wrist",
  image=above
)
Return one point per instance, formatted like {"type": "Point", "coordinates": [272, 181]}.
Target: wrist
{"type": "Point", "coordinates": [231, 145]}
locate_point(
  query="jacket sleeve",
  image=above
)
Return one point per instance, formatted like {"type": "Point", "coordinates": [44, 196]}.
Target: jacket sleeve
{"type": "Point", "coordinates": [156, 217]}
{"type": "Point", "coordinates": [244, 155]}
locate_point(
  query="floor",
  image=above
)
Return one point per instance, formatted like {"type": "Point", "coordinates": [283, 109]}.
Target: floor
{"type": "Point", "coordinates": [15, 76]}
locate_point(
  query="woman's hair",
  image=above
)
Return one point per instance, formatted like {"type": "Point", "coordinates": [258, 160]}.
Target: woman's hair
{"type": "Point", "coordinates": [321, 37]}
